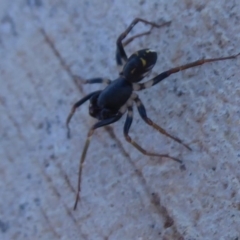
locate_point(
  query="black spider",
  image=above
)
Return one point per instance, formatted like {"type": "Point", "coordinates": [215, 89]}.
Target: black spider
{"type": "Point", "coordinates": [109, 105]}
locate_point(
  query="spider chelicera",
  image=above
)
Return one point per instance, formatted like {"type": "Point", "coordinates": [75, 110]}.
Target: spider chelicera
{"type": "Point", "coordinates": [110, 104]}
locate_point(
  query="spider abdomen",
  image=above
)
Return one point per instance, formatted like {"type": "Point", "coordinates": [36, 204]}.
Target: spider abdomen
{"type": "Point", "coordinates": [115, 95]}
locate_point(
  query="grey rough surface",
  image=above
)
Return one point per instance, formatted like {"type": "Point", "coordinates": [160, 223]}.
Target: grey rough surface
{"type": "Point", "coordinates": [125, 195]}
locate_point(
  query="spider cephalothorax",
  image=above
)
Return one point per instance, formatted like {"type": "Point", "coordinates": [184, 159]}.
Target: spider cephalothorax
{"type": "Point", "coordinates": [138, 65]}
{"type": "Point", "coordinates": [109, 104]}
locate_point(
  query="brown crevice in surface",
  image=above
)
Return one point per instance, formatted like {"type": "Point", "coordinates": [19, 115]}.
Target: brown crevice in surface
{"type": "Point", "coordinates": [64, 175]}
{"type": "Point", "coordinates": [58, 195]}
{"type": "Point", "coordinates": [47, 177]}
{"type": "Point", "coordinates": [154, 199]}
{"type": "Point", "coordinates": [14, 122]}
{"type": "Point", "coordinates": [48, 223]}
{"type": "Point", "coordinates": [67, 69]}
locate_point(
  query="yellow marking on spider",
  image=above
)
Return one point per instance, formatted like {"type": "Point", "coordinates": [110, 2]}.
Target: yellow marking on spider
{"type": "Point", "coordinates": [143, 62]}
{"type": "Point", "coordinates": [149, 50]}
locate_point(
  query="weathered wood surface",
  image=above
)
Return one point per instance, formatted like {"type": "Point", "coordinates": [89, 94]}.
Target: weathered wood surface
{"type": "Point", "coordinates": [124, 195]}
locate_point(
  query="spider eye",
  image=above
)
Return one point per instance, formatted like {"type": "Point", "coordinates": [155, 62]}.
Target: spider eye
{"type": "Point", "coordinates": [139, 64]}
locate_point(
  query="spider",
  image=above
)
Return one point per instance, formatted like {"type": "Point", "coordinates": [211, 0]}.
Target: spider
{"type": "Point", "coordinates": [111, 103]}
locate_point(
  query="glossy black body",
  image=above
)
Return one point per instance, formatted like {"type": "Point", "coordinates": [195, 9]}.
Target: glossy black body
{"type": "Point", "coordinates": [108, 102]}
{"type": "Point", "coordinates": [115, 95]}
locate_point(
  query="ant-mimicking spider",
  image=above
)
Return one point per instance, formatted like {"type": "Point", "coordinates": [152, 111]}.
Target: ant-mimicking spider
{"type": "Point", "coordinates": [109, 105]}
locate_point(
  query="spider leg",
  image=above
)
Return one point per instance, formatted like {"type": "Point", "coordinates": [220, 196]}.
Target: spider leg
{"type": "Point", "coordinates": [163, 75]}
{"type": "Point", "coordinates": [75, 106]}
{"type": "Point", "coordinates": [143, 114]}
{"type": "Point", "coordinates": [89, 136]}
{"type": "Point", "coordinates": [120, 60]}
{"type": "Point", "coordinates": [97, 80]}
{"type": "Point", "coordinates": [127, 126]}
{"type": "Point", "coordinates": [121, 56]}
{"type": "Point", "coordinates": [93, 80]}
{"type": "Point", "coordinates": [126, 42]}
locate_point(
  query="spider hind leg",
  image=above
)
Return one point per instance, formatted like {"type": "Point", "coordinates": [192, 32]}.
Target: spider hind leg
{"type": "Point", "coordinates": [127, 126]}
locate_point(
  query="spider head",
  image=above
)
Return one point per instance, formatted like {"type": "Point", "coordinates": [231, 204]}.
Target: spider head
{"type": "Point", "coordinates": [139, 64]}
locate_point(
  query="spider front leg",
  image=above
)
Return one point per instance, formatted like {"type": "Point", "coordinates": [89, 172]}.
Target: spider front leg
{"type": "Point", "coordinates": [143, 114]}
{"type": "Point", "coordinates": [93, 80]}
{"type": "Point", "coordinates": [163, 75]}
{"type": "Point", "coordinates": [121, 56]}
{"type": "Point", "coordinates": [97, 80]}
{"type": "Point", "coordinates": [84, 153]}
{"type": "Point", "coordinates": [127, 126]}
